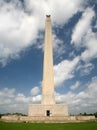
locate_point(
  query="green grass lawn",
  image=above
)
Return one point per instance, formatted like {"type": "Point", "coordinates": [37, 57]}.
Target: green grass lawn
{"type": "Point", "coordinates": [48, 126]}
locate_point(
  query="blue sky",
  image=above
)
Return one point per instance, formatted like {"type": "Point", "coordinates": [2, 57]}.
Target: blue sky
{"type": "Point", "coordinates": [74, 25]}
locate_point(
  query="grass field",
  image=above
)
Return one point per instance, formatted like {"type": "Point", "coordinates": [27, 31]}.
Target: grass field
{"type": "Point", "coordinates": [43, 126]}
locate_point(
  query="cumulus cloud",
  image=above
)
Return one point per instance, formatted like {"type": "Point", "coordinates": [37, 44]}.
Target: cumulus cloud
{"type": "Point", "coordinates": [85, 69]}
{"type": "Point", "coordinates": [10, 92]}
{"type": "Point", "coordinates": [35, 90]}
{"type": "Point", "coordinates": [36, 99]}
{"type": "Point", "coordinates": [20, 98]}
{"type": "Point", "coordinates": [20, 22]}
{"type": "Point", "coordinates": [82, 27]}
{"type": "Point", "coordinates": [55, 8]}
{"type": "Point", "coordinates": [16, 31]}
{"type": "Point", "coordinates": [91, 46]}
{"type": "Point", "coordinates": [84, 101]}
{"type": "Point", "coordinates": [75, 86]}
{"type": "Point", "coordinates": [83, 36]}
{"type": "Point", "coordinates": [58, 46]}
{"type": "Point", "coordinates": [64, 71]}
{"type": "Point", "coordinates": [11, 101]}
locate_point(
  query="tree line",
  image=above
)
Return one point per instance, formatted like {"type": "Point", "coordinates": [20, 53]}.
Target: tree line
{"type": "Point", "coordinates": [85, 114]}
{"type": "Point", "coordinates": [7, 114]}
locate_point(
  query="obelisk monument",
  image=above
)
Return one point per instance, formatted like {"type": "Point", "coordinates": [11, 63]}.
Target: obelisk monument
{"type": "Point", "coordinates": [48, 107]}
{"type": "Point", "coordinates": [48, 75]}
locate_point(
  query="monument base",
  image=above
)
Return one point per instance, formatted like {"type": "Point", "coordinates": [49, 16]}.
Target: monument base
{"type": "Point", "coordinates": [48, 110]}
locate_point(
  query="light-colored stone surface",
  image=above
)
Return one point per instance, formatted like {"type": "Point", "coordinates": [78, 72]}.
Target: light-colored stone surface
{"type": "Point", "coordinates": [85, 118]}
{"type": "Point", "coordinates": [55, 110]}
{"type": "Point", "coordinates": [10, 118]}
{"type": "Point", "coordinates": [58, 119]}
{"type": "Point", "coordinates": [48, 104]}
{"type": "Point", "coordinates": [48, 76]}
{"type": "Point", "coordinates": [52, 119]}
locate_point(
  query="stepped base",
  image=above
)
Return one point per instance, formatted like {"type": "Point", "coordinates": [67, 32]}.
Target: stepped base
{"type": "Point", "coordinates": [57, 119]}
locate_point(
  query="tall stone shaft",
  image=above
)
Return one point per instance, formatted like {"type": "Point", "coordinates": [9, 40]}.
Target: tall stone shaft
{"type": "Point", "coordinates": [48, 107]}
{"type": "Point", "coordinates": [48, 75]}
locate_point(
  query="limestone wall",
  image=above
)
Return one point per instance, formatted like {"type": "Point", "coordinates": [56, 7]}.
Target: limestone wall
{"type": "Point", "coordinates": [85, 118]}
{"type": "Point", "coordinates": [48, 119]}
{"type": "Point", "coordinates": [58, 119]}
{"type": "Point", "coordinates": [12, 118]}
{"type": "Point", "coordinates": [56, 110]}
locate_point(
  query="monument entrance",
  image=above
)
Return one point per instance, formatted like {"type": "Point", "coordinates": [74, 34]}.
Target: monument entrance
{"type": "Point", "coordinates": [48, 113]}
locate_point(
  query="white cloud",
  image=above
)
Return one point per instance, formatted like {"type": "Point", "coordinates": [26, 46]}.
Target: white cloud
{"type": "Point", "coordinates": [19, 26]}
{"type": "Point", "coordinates": [82, 27]}
{"type": "Point", "coordinates": [11, 101]}
{"type": "Point", "coordinates": [85, 69]}
{"type": "Point", "coordinates": [5, 92]}
{"type": "Point", "coordinates": [91, 46]}
{"type": "Point", "coordinates": [35, 90]}
{"type": "Point", "coordinates": [16, 32]}
{"type": "Point", "coordinates": [75, 86]}
{"type": "Point", "coordinates": [96, 24]}
{"type": "Point", "coordinates": [84, 37]}
{"type": "Point", "coordinates": [58, 46]}
{"type": "Point", "coordinates": [55, 8]}
{"type": "Point", "coordinates": [84, 101]}
{"type": "Point", "coordinates": [64, 70]}
{"type": "Point", "coordinates": [20, 98]}
{"type": "Point", "coordinates": [36, 99]}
